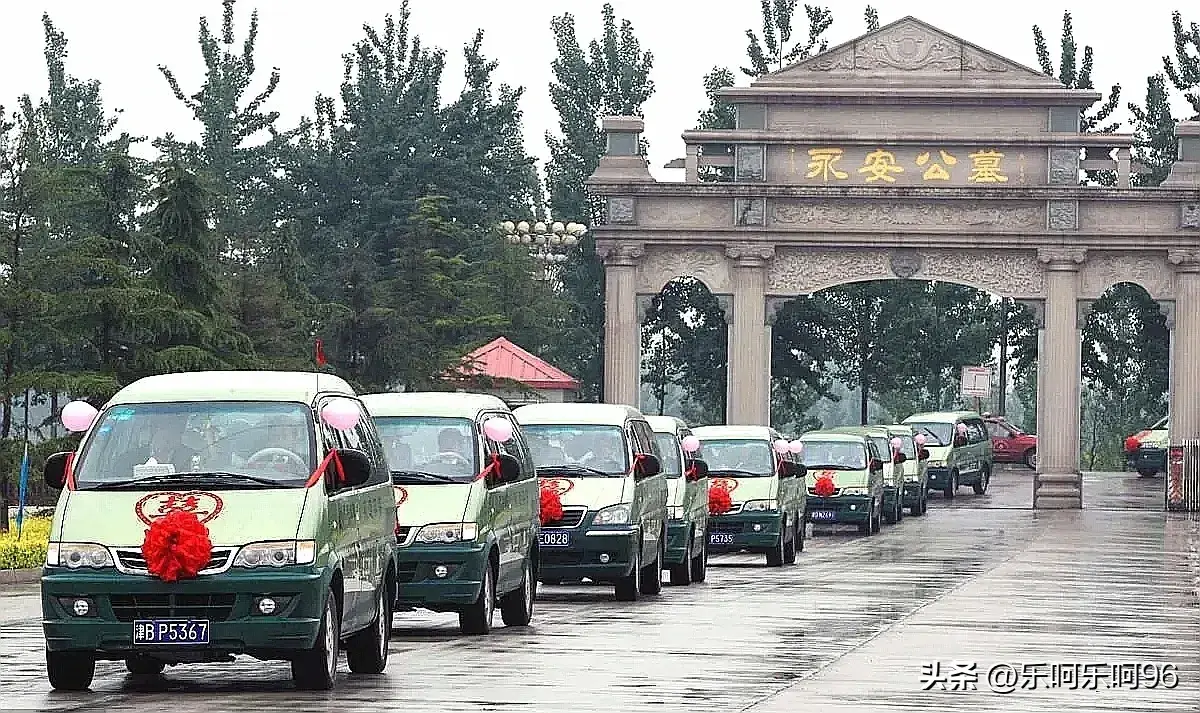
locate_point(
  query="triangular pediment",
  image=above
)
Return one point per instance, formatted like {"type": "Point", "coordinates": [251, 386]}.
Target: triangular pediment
{"type": "Point", "coordinates": [909, 52]}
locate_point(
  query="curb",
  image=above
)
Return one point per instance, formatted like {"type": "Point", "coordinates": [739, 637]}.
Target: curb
{"type": "Point", "coordinates": [20, 576]}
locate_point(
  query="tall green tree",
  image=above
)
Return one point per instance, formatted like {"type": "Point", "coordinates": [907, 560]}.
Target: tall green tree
{"type": "Point", "coordinates": [1155, 146]}
{"type": "Point", "coordinates": [611, 78]}
{"type": "Point", "coordinates": [1184, 69]}
{"type": "Point", "coordinates": [777, 48]}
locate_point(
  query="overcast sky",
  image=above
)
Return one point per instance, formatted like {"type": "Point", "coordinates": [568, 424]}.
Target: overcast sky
{"type": "Point", "coordinates": [120, 42]}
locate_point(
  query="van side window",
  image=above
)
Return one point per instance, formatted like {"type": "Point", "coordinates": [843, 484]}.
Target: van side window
{"type": "Point", "coordinates": [976, 433]}
{"type": "Point", "coordinates": [515, 447]}
{"type": "Point", "coordinates": [644, 439]}
{"type": "Point", "coordinates": [368, 439]}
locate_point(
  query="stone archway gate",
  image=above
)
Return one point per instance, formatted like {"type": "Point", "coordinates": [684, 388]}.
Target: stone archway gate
{"type": "Point", "coordinates": [906, 153]}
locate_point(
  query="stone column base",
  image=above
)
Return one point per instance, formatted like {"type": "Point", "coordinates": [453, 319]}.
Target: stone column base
{"type": "Point", "coordinates": [1058, 491]}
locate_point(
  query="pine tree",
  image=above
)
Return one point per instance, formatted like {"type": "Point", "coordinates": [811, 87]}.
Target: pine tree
{"type": "Point", "coordinates": [611, 78]}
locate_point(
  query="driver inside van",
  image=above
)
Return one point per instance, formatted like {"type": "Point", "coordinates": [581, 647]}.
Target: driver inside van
{"type": "Point", "coordinates": [454, 456]}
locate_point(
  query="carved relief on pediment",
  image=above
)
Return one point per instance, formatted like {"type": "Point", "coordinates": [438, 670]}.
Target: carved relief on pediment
{"type": "Point", "coordinates": [1009, 273]}
{"type": "Point", "coordinates": [908, 48]}
{"type": "Point", "coordinates": [801, 271]}
{"type": "Point", "coordinates": [1103, 270]}
{"type": "Point", "coordinates": [663, 264]}
{"type": "Point", "coordinates": [884, 214]}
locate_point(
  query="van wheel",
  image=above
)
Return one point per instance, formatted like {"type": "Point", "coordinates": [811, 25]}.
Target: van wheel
{"type": "Point", "coordinates": [801, 526]}
{"type": "Point", "coordinates": [476, 618]}
{"type": "Point", "coordinates": [144, 666]}
{"type": "Point", "coordinates": [891, 515]}
{"type": "Point", "coordinates": [864, 527]}
{"type": "Point", "coordinates": [551, 581]}
{"type": "Point", "coordinates": [951, 486]}
{"type": "Point", "coordinates": [627, 587]}
{"type": "Point", "coordinates": [681, 574]}
{"type": "Point", "coordinates": [1147, 472]}
{"type": "Point", "coordinates": [877, 520]}
{"type": "Point", "coordinates": [918, 508]}
{"type": "Point", "coordinates": [789, 547]}
{"type": "Point", "coordinates": [70, 670]}
{"type": "Point", "coordinates": [700, 560]}
{"type": "Point", "coordinates": [516, 607]}
{"type": "Point", "coordinates": [776, 553]}
{"type": "Point", "coordinates": [1030, 459]}
{"type": "Point", "coordinates": [984, 479]}
{"type": "Point", "coordinates": [652, 573]}
{"type": "Point", "coordinates": [367, 651]}
{"type": "Point", "coordinates": [315, 669]}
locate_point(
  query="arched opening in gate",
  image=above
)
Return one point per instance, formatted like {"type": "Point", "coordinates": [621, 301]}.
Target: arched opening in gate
{"type": "Point", "coordinates": [1125, 358]}
{"type": "Point", "coordinates": [879, 351]}
{"type": "Point", "coordinates": [684, 353]}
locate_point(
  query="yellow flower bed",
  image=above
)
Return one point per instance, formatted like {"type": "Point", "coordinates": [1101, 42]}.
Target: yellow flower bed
{"type": "Point", "coordinates": [30, 550]}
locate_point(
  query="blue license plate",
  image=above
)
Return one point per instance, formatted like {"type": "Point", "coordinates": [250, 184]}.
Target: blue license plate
{"type": "Point", "coordinates": [823, 515]}
{"type": "Point", "coordinates": [720, 538]}
{"type": "Point", "coordinates": [554, 539]}
{"type": "Point", "coordinates": [188, 632]}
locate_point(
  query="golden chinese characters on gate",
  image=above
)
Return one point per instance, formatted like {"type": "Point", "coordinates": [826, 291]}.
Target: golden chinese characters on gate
{"type": "Point", "coordinates": [917, 165]}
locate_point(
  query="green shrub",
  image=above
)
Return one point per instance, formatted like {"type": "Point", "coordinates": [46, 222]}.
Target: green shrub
{"type": "Point", "coordinates": [30, 551]}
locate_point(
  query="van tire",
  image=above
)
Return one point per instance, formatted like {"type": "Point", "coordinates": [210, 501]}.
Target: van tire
{"type": "Point", "coordinates": [985, 478]}
{"type": "Point", "coordinates": [700, 559]}
{"type": "Point", "coordinates": [367, 651]}
{"type": "Point", "coordinates": [865, 527]}
{"type": "Point", "coordinates": [1030, 459]}
{"type": "Point", "coordinates": [951, 486]}
{"type": "Point", "coordinates": [652, 573]}
{"type": "Point", "coordinates": [1147, 472]}
{"type": "Point", "coordinates": [877, 521]}
{"type": "Point", "coordinates": [789, 546]}
{"type": "Point", "coordinates": [627, 587]}
{"type": "Point", "coordinates": [144, 666]}
{"type": "Point", "coordinates": [681, 574]}
{"type": "Point", "coordinates": [70, 670]}
{"type": "Point", "coordinates": [315, 669]}
{"type": "Point", "coordinates": [516, 607]}
{"type": "Point", "coordinates": [476, 618]}
{"type": "Point", "coordinates": [776, 553]}
{"type": "Point", "coordinates": [801, 531]}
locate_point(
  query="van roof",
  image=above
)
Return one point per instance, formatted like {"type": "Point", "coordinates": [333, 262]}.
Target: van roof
{"type": "Point", "coordinates": [941, 416]}
{"type": "Point", "coordinates": [591, 414]}
{"type": "Point", "coordinates": [899, 428]}
{"type": "Point", "coordinates": [297, 386]}
{"type": "Point", "coordinates": [835, 436]}
{"type": "Point", "coordinates": [446, 404]}
{"type": "Point", "coordinates": [862, 430]}
{"type": "Point", "coordinates": [666, 424]}
{"type": "Point", "coordinates": [765, 433]}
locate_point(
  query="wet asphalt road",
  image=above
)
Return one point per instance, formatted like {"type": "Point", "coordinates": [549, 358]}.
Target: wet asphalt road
{"type": "Point", "coordinates": [978, 581]}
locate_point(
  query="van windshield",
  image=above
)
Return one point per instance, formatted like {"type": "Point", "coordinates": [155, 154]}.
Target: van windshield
{"type": "Point", "coordinates": [741, 456]}
{"type": "Point", "coordinates": [668, 448]}
{"type": "Point", "coordinates": [242, 443]}
{"type": "Point", "coordinates": [578, 450]}
{"type": "Point", "coordinates": [1160, 425]}
{"type": "Point", "coordinates": [936, 434]}
{"type": "Point", "coordinates": [418, 447]}
{"type": "Point", "coordinates": [834, 455]}
{"type": "Point", "coordinates": [908, 446]}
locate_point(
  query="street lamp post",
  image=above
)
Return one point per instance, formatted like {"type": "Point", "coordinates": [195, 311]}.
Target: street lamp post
{"type": "Point", "coordinates": [547, 243]}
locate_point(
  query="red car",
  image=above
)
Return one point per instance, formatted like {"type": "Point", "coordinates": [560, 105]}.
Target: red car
{"type": "Point", "coordinates": [1010, 444]}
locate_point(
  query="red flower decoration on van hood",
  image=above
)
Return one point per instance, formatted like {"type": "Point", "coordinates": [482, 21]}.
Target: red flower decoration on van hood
{"type": "Point", "coordinates": [824, 487]}
{"type": "Point", "coordinates": [177, 546]}
{"type": "Point", "coordinates": [551, 506]}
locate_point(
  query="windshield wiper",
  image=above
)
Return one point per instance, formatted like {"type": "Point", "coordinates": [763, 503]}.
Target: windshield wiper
{"type": "Point", "coordinates": [830, 466]}
{"type": "Point", "coordinates": [421, 475]}
{"type": "Point", "coordinates": [734, 471]}
{"type": "Point", "coordinates": [565, 468]}
{"type": "Point", "coordinates": [188, 477]}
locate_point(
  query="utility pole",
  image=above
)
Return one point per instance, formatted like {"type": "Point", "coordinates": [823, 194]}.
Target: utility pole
{"type": "Point", "coordinates": [1002, 397]}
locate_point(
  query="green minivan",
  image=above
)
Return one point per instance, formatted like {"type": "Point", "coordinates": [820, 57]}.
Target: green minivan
{"type": "Point", "coordinates": [960, 450]}
{"type": "Point", "coordinates": [915, 468]}
{"type": "Point", "coordinates": [765, 483]}
{"type": "Point", "coordinates": [846, 471]}
{"type": "Point", "coordinates": [602, 462]}
{"type": "Point", "coordinates": [219, 513]}
{"type": "Point", "coordinates": [893, 469]}
{"type": "Point", "coordinates": [466, 505]}
{"type": "Point", "coordinates": [687, 499]}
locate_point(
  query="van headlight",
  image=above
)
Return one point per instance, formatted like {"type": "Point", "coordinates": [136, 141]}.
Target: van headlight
{"type": "Point", "coordinates": [855, 491]}
{"type": "Point", "coordinates": [448, 532]}
{"type": "Point", "coordinates": [612, 515]}
{"type": "Point", "coordinates": [675, 512]}
{"type": "Point", "coordinates": [75, 555]}
{"type": "Point", "coordinates": [280, 553]}
{"type": "Point", "coordinates": [760, 506]}
{"type": "Point", "coordinates": [936, 463]}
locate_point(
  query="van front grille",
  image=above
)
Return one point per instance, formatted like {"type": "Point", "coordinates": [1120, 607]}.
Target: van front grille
{"type": "Point", "coordinates": [131, 561]}
{"type": "Point", "coordinates": [213, 607]}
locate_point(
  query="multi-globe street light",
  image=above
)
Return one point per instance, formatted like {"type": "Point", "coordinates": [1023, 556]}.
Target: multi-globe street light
{"type": "Point", "coordinates": [547, 242]}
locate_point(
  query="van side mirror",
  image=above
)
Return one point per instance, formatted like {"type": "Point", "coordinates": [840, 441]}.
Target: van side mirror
{"type": "Point", "coordinates": [923, 454]}
{"type": "Point", "coordinates": [510, 469]}
{"type": "Point", "coordinates": [646, 466]}
{"type": "Point", "coordinates": [54, 473]}
{"type": "Point", "coordinates": [900, 458]}
{"type": "Point", "coordinates": [788, 469]}
{"type": "Point", "coordinates": [696, 469]}
{"type": "Point", "coordinates": [356, 467]}
{"type": "Point", "coordinates": [876, 464]}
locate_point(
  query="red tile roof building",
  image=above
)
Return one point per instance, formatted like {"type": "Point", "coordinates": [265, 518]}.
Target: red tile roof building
{"type": "Point", "coordinates": [502, 360]}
